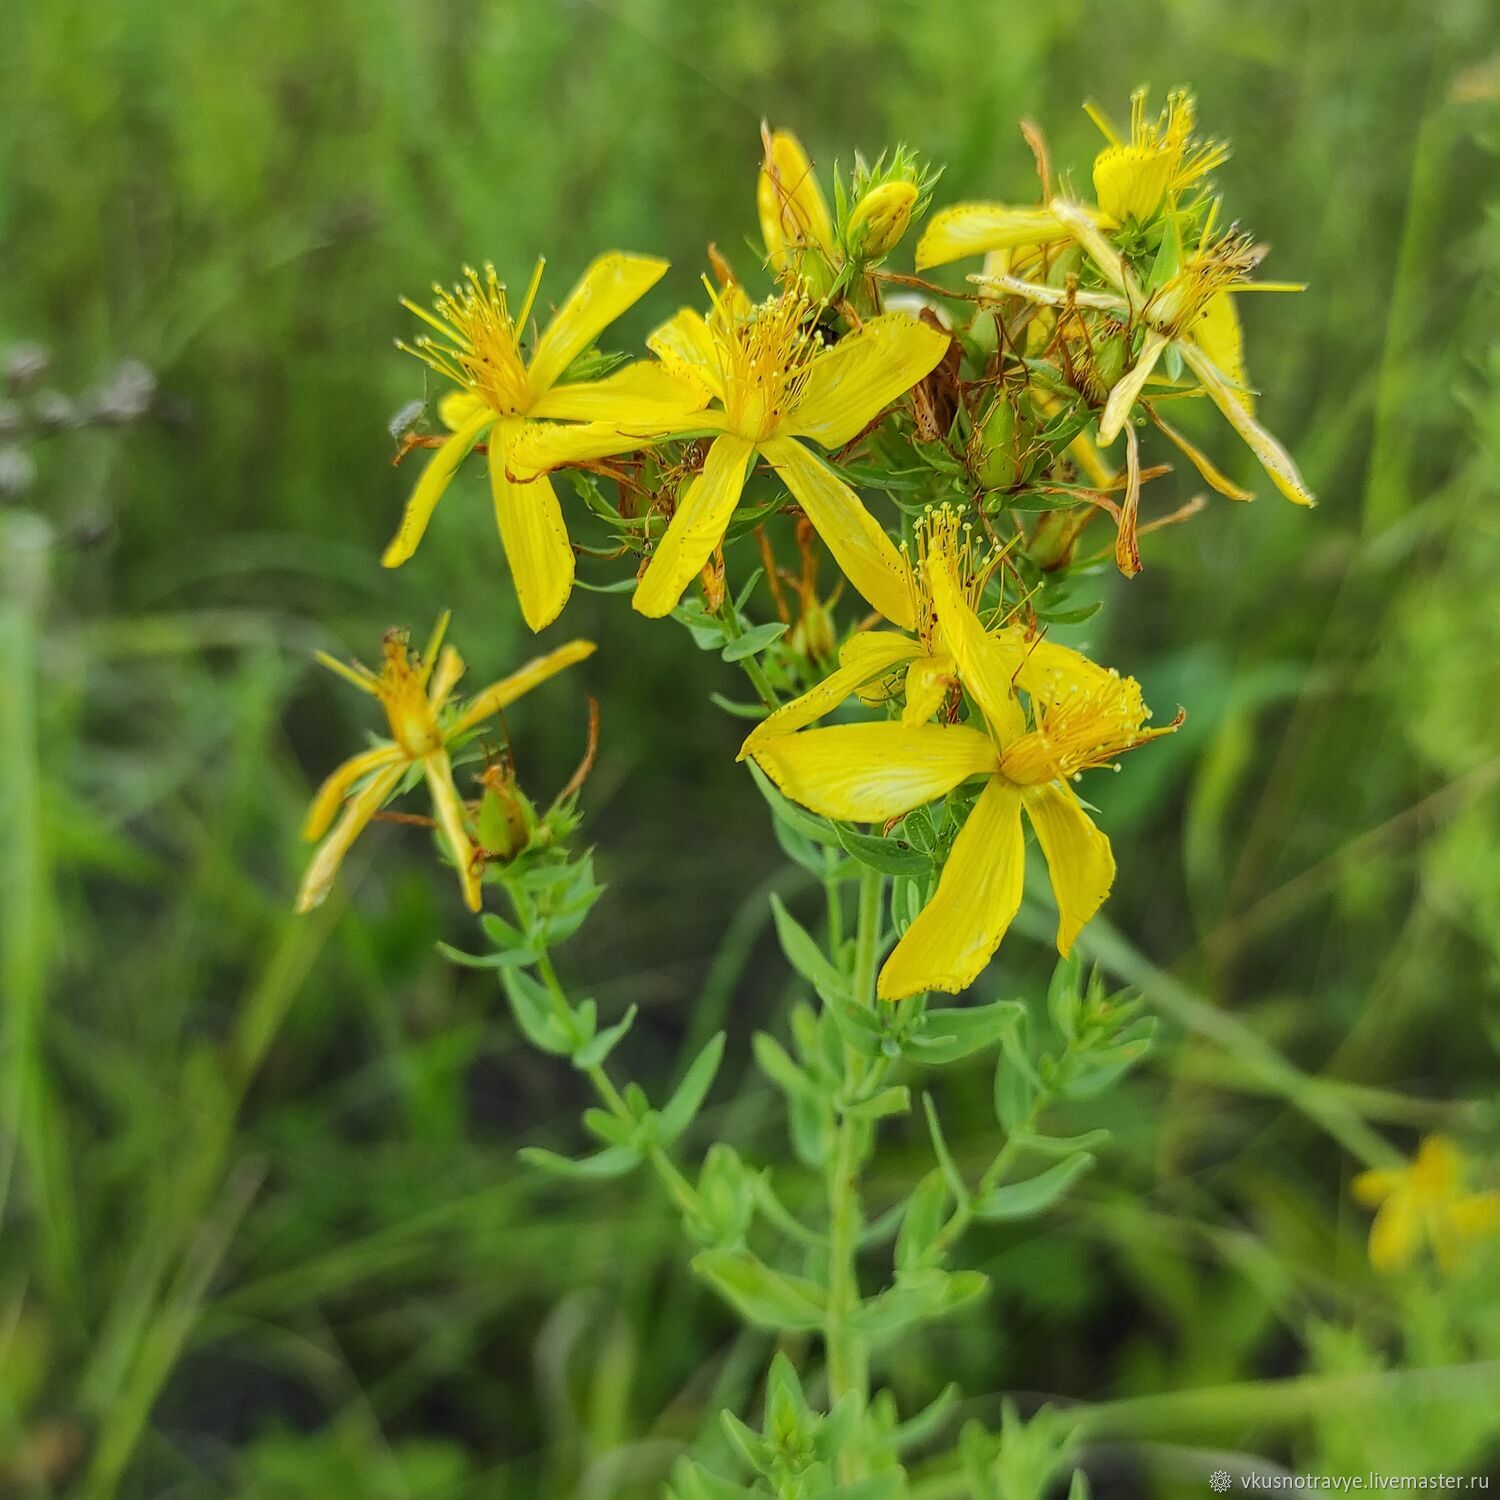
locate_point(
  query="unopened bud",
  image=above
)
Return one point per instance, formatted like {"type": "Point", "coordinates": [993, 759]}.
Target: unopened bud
{"type": "Point", "coordinates": [1000, 460]}
{"type": "Point", "coordinates": [505, 819]}
{"type": "Point", "coordinates": [880, 218]}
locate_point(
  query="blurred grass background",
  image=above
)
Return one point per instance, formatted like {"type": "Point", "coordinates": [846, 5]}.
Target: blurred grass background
{"type": "Point", "coordinates": [264, 1234]}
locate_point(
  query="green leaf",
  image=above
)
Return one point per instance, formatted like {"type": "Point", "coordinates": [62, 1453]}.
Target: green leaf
{"type": "Point", "coordinates": [805, 956]}
{"type": "Point", "coordinates": [951, 1032]}
{"type": "Point", "coordinates": [1023, 1200]}
{"type": "Point", "coordinates": [776, 1063]}
{"type": "Point", "coordinates": [614, 1161]}
{"type": "Point", "coordinates": [767, 1298]}
{"type": "Point", "coordinates": [918, 1297]}
{"type": "Point", "coordinates": [895, 1100]}
{"type": "Point", "coordinates": [1015, 1093]}
{"type": "Point", "coordinates": [1059, 1145]}
{"type": "Point", "coordinates": [594, 1053]}
{"type": "Point", "coordinates": [679, 1111]}
{"type": "Point", "coordinates": [858, 1027]}
{"type": "Point", "coordinates": [754, 640]}
{"type": "Point", "coordinates": [926, 1213]}
{"type": "Point", "coordinates": [609, 1128]}
{"type": "Point", "coordinates": [887, 855]}
{"type": "Point", "coordinates": [531, 1005]}
{"type": "Point", "coordinates": [737, 709]}
{"type": "Point", "coordinates": [951, 1174]}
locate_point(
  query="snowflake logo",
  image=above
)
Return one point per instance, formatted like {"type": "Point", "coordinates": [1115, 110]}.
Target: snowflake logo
{"type": "Point", "coordinates": [1219, 1481]}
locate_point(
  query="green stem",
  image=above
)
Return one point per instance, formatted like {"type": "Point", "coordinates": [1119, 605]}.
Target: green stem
{"type": "Point", "coordinates": [729, 618]}
{"type": "Point", "coordinates": [847, 1353]}
{"type": "Point", "coordinates": [683, 1193]}
{"type": "Point", "coordinates": [867, 936]}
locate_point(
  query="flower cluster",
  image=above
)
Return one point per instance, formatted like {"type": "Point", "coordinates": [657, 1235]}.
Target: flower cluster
{"type": "Point", "coordinates": [983, 413]}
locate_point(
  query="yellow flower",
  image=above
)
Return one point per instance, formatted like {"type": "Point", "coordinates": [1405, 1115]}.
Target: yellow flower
{"type": "Point", "coordinates": [1425, 1200]}
{"type": "Point", "coordinates": [1192, 314]}
{"type": "Point", "coordinates": [1134, 178]}
{"type": "Point", "coordinates": [947, 560]}
{"type": "Point", "coordinates": [774, 382]}
{"type": "Point", "coordinates": [794, 217]}
{"type": "Point", "coordinates": [501, 394]}
{"type": "Point", "coordinates": [1080, 716]}
{"type": "Point", "coordinates": [415, 691]}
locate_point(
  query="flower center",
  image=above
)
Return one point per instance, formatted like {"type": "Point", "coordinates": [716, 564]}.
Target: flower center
{"type": "Point", "coordinates": [401, 689]}
{"type": "Point", "coordinates": [1216, 266]}
{"type": "Point", "coordinates": [945, 540]}
{"type": "Point", "coordinates": [1081, 721]}
{"type": "Point", "coordinates": [763, 361]}
{"type": "Point", "coordinates": [1160, 159]}
{"type": "Point", "coordinates": [479, 344]}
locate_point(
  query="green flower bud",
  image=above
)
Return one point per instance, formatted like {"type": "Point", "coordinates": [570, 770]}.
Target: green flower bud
{"type": "Point", "coordinates": [1000, 445]}
{"type": "Point", "coordinates": [880, 218]}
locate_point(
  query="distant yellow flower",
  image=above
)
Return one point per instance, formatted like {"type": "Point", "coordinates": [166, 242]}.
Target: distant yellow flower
{"type": "Point", "coordinates": [1134, 178]}
{"type": "Point", "coordinates": [502, 393]}
{"type": "Point", "coordinates": [1425, 1201]}
{"type": "Point", "coordinates": [1080, 716]}
{"type": "Point", "coordinates": [1192, 314]}
{"type": "Point", "coordinates": [794, 217]}
{"type": "Point", "coordinates": [415, 692]}
{"type": "Point", "coordinates": [775, 382]}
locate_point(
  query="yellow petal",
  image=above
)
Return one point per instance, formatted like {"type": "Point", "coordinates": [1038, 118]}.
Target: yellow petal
{"type": "Point", "coordinates": [1396, 1233]}
{"type": "Point", "coordinates": [1476, 1216]}
{"type": "Point", "coordinates": [358, 811]}
{"type": "Point", "coordinates": [449, 668]}
{"type": "Point", "coordinates": [1437, 1170]}
{"type": "Point", "coordinates": [1210, 471]}
{"type": "Point", "coordinates": [541, 446]}
{"type": "Point", "coordinates": [449, 808]}
{"type": "Point", "coordinates": [329, 797]}
{"type": "Point", "coordinates": [860, 547]}
{"type": "Point", "coordinates": [436, 478]}
{"type": "Point", "coordinates": [696, 529]}
{"type": "Point", "coordinates": [503, 693]}
{"type": "Point", "coordinates": [987, 664]}
{"type": "Point", "coordinates": [457, 407]}
{"type": "Point", "coordinates": [685, 344]}
{"type": "Point", "coordinates": [1079, 859]}
{"type": "Point", "coordinates": [642, 392]}
{"type": "Point", "coordinates": [1217, 333]}
{"type": "Point", "coordinates": [878, 652]}
{"type": "Point", "coordinates": [1372, 1188]}
{"type": "Point", "coordinates": [792, 210]}
{"type": "Point", "coordinates": [1128, 387]}
{"type": "Point", "coordinates": [868, 773]}
{"type": "Point", "coordinates": [849, 385]}
{"type": "Point", "coordinates": [610, 285]}
{"type": "Point", "coordinates": [1130, 181]}
{"type": "Point", "coordinates": [928, 679]}
{"type": "Point", "coordinates": [974, 228]}
{"type": "Point", "coordinates": [534, 537]}
{"type": "Point", "coordinates": [978, 895]}
{"type": "Point", "coordinates": [1274, 459]}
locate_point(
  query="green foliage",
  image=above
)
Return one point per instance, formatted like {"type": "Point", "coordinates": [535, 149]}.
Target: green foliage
{"type": "Point", "coordinates": [264, 1231]}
